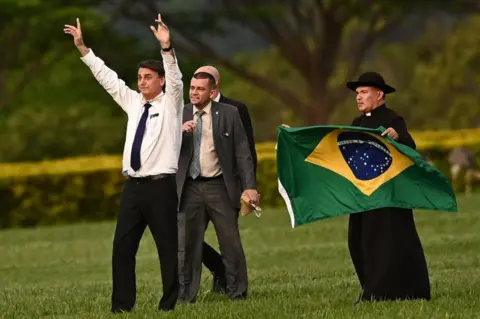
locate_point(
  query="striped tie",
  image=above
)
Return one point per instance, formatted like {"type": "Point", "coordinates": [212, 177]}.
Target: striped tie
{"type": "Point", "coordinates": [197, 140]}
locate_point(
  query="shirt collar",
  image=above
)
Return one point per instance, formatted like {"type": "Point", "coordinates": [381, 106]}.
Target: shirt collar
{"type": "Point", "coordinates": [217, 98]}
{"type": "Point", "coordinates": [206, 109]}
{"type": "Point", "coordinates": [157, 98]}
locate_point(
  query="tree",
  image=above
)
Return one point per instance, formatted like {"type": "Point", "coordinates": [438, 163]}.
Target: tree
{"type": "Point", "coordinates": [51, 105]}
{"type": "Point", "coordinates": [438, 80]}
{"type": "Point", "coordinates": [311, 35]}
{"type": "Point", "coordinates": [448, 84]}
{"type": "Point", "coordinates": [30, 31]}
{"type": "Point", "coordinates": [266, 111]}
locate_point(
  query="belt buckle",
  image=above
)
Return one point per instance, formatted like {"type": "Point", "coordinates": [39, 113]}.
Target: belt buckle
{"type": "Point", "coordinates": [139, 180]}
{"type": "Point", "coordinates": [158, 176]}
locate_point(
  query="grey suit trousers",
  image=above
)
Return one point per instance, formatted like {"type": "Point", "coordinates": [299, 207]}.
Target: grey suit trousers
{"type": "Point", "coordinates": [203, 201]}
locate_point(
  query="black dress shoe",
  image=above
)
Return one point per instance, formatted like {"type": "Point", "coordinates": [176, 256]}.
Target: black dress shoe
{"type": "Point", "coordinates": [219, 284]}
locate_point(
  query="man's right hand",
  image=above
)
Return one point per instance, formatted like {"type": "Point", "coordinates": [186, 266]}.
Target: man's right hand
{"type": "Point", "coordinates": [188, 126]}
{"type": "Point", "coordinates": [252, 195]}
{"type": "Point", "coordinates": [76, 32]}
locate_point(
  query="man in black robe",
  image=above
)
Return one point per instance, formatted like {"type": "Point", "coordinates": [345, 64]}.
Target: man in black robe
{"type": "Point", "coordinates": [384, 245]}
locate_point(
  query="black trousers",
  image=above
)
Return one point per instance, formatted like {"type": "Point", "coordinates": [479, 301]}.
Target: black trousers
{"type": "Point", "coordinates": [213, 260]}
{"type": "Point", "coordinates": [205, 201]}
{"type": "Point", "coordinates": [153, 203]}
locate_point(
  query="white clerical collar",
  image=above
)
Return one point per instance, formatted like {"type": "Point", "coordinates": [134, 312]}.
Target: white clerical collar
{"type": "Point", "coordinates": [368, 114]}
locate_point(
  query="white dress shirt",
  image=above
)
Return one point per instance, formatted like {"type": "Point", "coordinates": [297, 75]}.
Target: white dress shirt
{"type": "Point", "coordinates": [163, 133]}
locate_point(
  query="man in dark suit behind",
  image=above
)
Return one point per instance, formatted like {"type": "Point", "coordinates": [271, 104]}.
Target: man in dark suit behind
{"type": "Point", "coordinates": [215, 167]}
{"type": "Point", "coordinates": [211, 258]}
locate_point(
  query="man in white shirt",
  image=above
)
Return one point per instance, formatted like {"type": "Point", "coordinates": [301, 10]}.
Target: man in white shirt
{"type": "Point", "coordinates": [150, 161]}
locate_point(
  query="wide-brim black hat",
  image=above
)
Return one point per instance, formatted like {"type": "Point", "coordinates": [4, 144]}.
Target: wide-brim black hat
{"type": "Point", "coordinates": [371, 79]}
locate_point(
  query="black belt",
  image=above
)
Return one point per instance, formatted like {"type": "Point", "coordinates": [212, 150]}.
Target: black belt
{"type": "Point", "coordinates": [205, 178]}
{"type": "Point", "coordinates": [149, 178]}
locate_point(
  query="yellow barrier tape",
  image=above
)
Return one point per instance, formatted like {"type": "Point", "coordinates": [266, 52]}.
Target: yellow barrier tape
{"type": "Point", "coordinates": [266, 151]}
{"type": "Point", "coordinates": [73, 165]}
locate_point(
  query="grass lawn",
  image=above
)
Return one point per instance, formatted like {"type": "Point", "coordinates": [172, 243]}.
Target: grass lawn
{"type": "Point", "coordinates": [64, 272]}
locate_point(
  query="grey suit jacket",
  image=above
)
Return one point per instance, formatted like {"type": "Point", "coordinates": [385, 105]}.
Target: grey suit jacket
{"type": "Point", "coordinates": [231, 145]}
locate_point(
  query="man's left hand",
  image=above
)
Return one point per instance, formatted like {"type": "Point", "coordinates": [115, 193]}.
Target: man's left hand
{"type": "Point", "coordinates": [391, 132]}
{"type": "Point", "coordinates": [161, 33]}
{"type": "Point", "coordinates": [252, 195]}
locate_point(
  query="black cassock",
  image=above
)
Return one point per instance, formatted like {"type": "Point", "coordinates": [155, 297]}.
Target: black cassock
{"type": "Point", "coordinates": [384, 244]}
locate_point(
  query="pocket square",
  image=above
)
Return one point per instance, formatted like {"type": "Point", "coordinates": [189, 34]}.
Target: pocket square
{"type": "Point", "coordinates": [153, 115]}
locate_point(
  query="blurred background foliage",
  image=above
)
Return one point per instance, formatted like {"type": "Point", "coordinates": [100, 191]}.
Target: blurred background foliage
{"type": "Point", "coordinates": [287, 60]}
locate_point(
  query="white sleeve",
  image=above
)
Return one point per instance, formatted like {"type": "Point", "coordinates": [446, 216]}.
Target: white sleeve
{"type": "Point", "coordinates": [120, 92]}
{"type": "Point", "coordinates": [174, 84]}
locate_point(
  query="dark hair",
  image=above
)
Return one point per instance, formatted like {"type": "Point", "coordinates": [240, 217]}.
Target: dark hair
{"type": "Point", "coordinates": [205, 75]}
{"type": "Point", "coordinates": [154, 65]}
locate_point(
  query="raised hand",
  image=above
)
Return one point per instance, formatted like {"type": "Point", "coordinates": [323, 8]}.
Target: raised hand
{"type": "Point", "coordinates": [76, 32]}
{"type": "Point", "coordinates": [161, 33]}
{"type": "Point", "coordinates": [188, 126]}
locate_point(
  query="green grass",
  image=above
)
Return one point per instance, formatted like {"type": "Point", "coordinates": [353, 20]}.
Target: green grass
{"type": "Point", "coordinates": [64, 272]}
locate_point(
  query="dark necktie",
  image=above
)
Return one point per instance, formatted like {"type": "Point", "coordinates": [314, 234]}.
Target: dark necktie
{"type": "Point", "coordinates": [137, 141]}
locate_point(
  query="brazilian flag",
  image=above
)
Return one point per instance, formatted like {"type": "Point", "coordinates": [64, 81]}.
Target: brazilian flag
{"type": "Point", "coordinates": [328, 171]}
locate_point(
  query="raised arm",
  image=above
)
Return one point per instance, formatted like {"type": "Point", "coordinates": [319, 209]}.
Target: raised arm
{"type": "Point", "coordinates": [173, 75]}
{"type": "Point", "coordinates": [120, 92]}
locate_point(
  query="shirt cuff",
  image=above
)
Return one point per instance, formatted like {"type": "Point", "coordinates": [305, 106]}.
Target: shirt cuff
{"type": "Point", "coordinates": [88, 58]}
{"type": "Point", "coordinates": [169, 58]}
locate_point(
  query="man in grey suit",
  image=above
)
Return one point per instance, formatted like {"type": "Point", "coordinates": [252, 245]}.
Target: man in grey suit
{"type": "Point", "coordinates": [215, 169]}
{"type": "Point", "coordinates": [211, 258]}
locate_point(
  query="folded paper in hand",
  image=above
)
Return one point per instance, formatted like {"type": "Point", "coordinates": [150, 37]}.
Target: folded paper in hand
{"type": "Point", "coordinates": [246, 208]}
